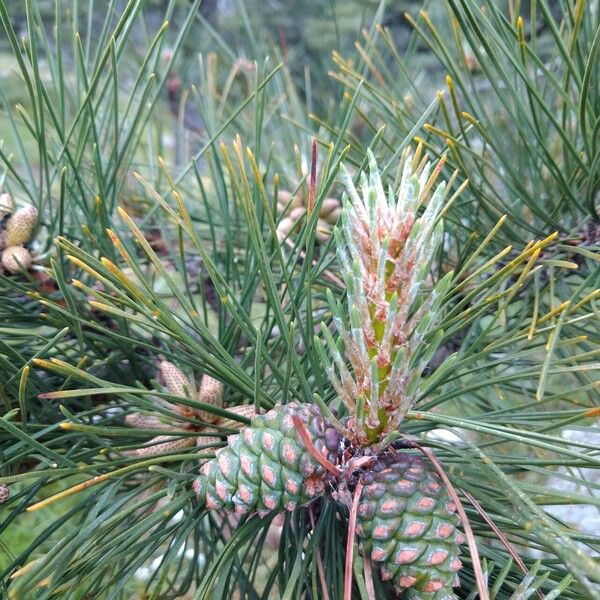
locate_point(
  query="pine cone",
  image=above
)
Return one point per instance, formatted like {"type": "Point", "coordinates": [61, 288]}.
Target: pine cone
{"type": "Point", "coordinates": [267, 466]}
{"type": "Point", "coordinates": [15, 258]}
{"type": "Point", "coordinates": [174, 379]}
{"type": "Point", "coordinates": [4, 493]}
{"type": "Point", "coordinates": [244, 410]}
{"type": "Point", "coordinates": [408, 524]}
{"type": "Point", "coordinates": [20, 225]}
{"type": "Point", "coordinates": [141, 421]}
{"type": "Point", "coordinates": [162, 444]}
{"type": "Point", "coordinates": [211, 392]}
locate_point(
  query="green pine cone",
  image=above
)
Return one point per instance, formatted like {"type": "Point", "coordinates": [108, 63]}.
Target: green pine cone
{"type": "Point", "coordinates": [266, 466]}
{"type": "Point", "coordinates": [408, 524]}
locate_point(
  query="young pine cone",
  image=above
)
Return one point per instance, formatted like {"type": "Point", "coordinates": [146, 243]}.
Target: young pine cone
{"type": "Point", "coordinates": [20, 225]}
{"type": "Point", "coordinates": [15, 231]}
{"type": "Point", "coordinates": [408, 524]}
{"type": "Point", "coordinates": [267, 465]}
{"type": "Point", "coordinates": [211, 391]}
{"type": "Point", "coordinates": [209, 434]}
{"type": "Point", "coordinates": [294, 210]}
{"type": "Point", "coordinates": [4, 493]}
{"type": "Point", "coordinates": [15, 258]}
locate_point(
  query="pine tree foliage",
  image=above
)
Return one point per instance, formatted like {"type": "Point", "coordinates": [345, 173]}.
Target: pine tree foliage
{"type": "Point", "coordinates": [145, 254]}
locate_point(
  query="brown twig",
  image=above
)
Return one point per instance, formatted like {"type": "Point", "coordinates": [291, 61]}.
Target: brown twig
{"type": "Point", "coordinates": [368, 569]}
{"type": "Point", "coordinates": [322, 460]}
{"type": "Point", "coordinates": [479, 577]}
{"type": "Point", "coordinates": [320, 568]}
{"type": "Point", "coordinates": [500, 536]}
{"type": "Point", "coordinates": [350, 542]}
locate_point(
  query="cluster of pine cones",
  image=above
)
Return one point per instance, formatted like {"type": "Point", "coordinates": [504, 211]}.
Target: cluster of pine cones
{"type": "Point", "coordinates": [206, 425]}
{"type": "Point", "coordinates": [407, 522]}
{"type": "Point", "coordinates": [402, 511]}
{"type": "Point", "coordinates": [399, 505]}
{"type": "Point", "coordinates": [16, 227]}
{"type": "Point", "coordinates": [293, 207]}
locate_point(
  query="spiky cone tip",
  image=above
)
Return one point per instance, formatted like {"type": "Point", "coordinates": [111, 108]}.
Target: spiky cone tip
{"type": "Point", "coordinates": [385, 251]}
